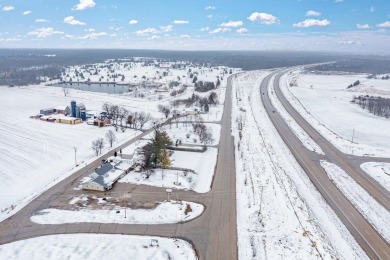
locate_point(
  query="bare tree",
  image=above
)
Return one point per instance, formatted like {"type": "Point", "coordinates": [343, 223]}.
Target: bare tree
{"type": "Point", "coordinates": [100, 142]}
{"type": "Point", "coordinates": [114, 112]}
{"type": "Point", "coordinates": [166, 110]}
{"type": "Point", "coordinates": [122, 114]}
{"type": "Point", "coordinates": [95, 147]}
{"type": "Point", "coordinates": [111, 137]}
{"type": "Point", "coordinates": [134, 116]}
{"type": "Point", "coordinates": [106, 108]}
{"type": "Point", "coordinates": [143, 118]}
{"type": "Point", "coordinates": [65, 90]}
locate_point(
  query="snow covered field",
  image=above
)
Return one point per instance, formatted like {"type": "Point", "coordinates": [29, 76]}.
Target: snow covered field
{"type": "Point", "coordinates": [324, 101]}
{"type": "Point", "coordinates": [202, 163]}
{"type": "Point", "coordinates": [375, 213]}
{"type": "Point", "coordinates": [36, 154]}
{"type": "Point", "coordinates": [280, 214]}
{"type": "Point", "coordinates": [164, 213]}
{"type": "Point", "coordinates": [94, 246]}
{"type": "Point", "coordinates": [379, 171]}
{"type": "Point", "coordinates": [180, 131]}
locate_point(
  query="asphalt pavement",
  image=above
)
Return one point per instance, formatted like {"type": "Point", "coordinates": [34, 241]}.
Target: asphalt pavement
{"type": "Point", "coordinates": [375, 246]}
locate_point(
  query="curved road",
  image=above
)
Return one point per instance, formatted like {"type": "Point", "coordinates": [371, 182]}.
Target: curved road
{"type": "Point", "coordinates": [213, 234]}
{"type": "Point", "coordinates": [367, 237]}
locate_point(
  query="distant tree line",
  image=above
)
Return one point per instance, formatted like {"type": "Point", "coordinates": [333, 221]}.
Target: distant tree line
{"type": "Point", "coordinates": [376, 105]}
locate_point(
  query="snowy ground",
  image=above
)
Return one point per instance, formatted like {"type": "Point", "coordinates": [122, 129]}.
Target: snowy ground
{"type": "Point", "coordinates": [202, 163]}
{"type": "Point", "coordinates": [280, 214]}
{"type": "Point", "coordinates": [164, 213]}
{"type": "Point", "coordinates": [36, 154]}
{"type": "Point", "coordinates": [324, 101]}
{"type": "Point", "coordinates": [379, 171]}
{"type": "Point", "coordinates": [367, 205]}
{"type": "Point", "coordinates": [94, 246]}
{"type": "Point", "coordinates": [180, 131]}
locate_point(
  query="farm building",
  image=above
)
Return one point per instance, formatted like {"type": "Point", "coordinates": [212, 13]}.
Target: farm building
{"type": "Point", "coordinates": [69, 120]}
{"type": "Point", "coordinates": [105, 176]}
{"type": "Point", "coordinates": [47, 111]}
{"type": "Point", "coordinates": [65, 110]}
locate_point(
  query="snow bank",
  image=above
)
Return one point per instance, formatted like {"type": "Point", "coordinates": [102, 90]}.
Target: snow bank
{"type": "Point", "coordinates": [164, 213]}
{"type": "Point", "coordinates": [96, 246]}
{"type": "Point", "coordinates": [379, 171]}
{"type": "Point", "coordinates": [367, 205]}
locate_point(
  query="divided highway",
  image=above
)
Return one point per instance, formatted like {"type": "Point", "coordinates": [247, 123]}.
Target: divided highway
{"type": "Point", "coordinates": [368, 238]}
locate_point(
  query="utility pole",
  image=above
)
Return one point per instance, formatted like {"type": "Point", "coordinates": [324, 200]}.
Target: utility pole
{"type": "Point", "coordinates": [353, 135]}
{"type": "Point", "coordinates": [75, 153]}
{"type": "Point", "coordinates": [124, 202]}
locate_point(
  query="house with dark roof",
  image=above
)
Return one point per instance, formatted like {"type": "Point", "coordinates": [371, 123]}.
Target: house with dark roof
{"type": "Point", "coordinates": [104, 177]}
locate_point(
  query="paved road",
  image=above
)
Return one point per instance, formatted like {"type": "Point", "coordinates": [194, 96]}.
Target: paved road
{"type": "Point", "coordinates": [213, 234]}
{"type": "Point", "coordinates": [367, 237]}
{"type": "Point", "coordinates": [381, 194]}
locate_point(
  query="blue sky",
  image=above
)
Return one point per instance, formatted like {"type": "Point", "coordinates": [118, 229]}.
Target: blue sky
{"type": "Point", "coordinates": [340, 25]}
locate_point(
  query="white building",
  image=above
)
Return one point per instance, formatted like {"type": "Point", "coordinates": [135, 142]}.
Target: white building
{"type": "Point", "coordinates": [105, 176]}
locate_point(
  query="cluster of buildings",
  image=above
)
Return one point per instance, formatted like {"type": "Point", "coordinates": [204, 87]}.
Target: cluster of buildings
{"type": "Point", "coordinates": [73, 114]}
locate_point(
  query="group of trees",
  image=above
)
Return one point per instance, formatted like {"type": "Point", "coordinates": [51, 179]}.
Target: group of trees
{"type": "Point", "coordinates": [202, 102]}
{"type": "Point", "coordinates": [356, 83]}
{"type": "Point", "coordinates": [204, 133]}
{"type": "Point", "coordinates": [376, 105]}
{"type": "Point", "coordinates": [98, 144]}
{"type": "Point", "coordinates": [156, 151]}
{"type": "Point", "coordinates": [204, 86]}
{"type": "Point", "coordinates": [121, 117]}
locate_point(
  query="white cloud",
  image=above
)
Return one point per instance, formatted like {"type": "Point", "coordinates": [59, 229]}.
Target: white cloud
{"type": "Point", "coordinates": [362, 26]}
{"type": "Point", "coordinates": [209, 16]}
{"type": "Point", "coordinates": [167, 28]}
{"type": "Point", "coordinates": [220, 30]}
{"type": "Point", "coordinates": [204, 29]}
{"type": "Point", "coordinates": [41, 21]}
{"type": "Point", "coordinates": [242, 30]}
{"type": "Point", "coordinates": [93, 35]}
{"type": "Point", "coordinates": [89, 30]}
{"type": "Point", "coordinates": [312, 13]}
{"type": "Point", "coordinates": [8, 8]}
{"type": "Point", "coordinates": [312, 22]}
{"type": "Point", "coordinates": [44, 32]}
{"type": "Point", "coordinates": [27, 12]}
{"type": "Point", "coordinates": [384, 24]}
{"type": "Point", "coordinates": [180, 22]}
{"type": "Point", "coordinates": [184, 36]}
{"type": "Point", "coordinates": [146, 31]}
{"type": "Point", "coordinates": [154, 37]}
{"type": "Point", "coordinates": [84, 4]}
{"type": "Point", "coordinates": [232, 24]}
{"type": "Point", "coordinates": [210, 7]}
{"type": "Point", "coordinates": [264, 18]}
{"type": "Point", "coordinates": [338, 1]}
{"type": "Point", "coordinates": [72, 21]}
{"type": "Point", "coordinates": [372, 9]}
{"type": "Point", "coordinates": [133, 22]}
